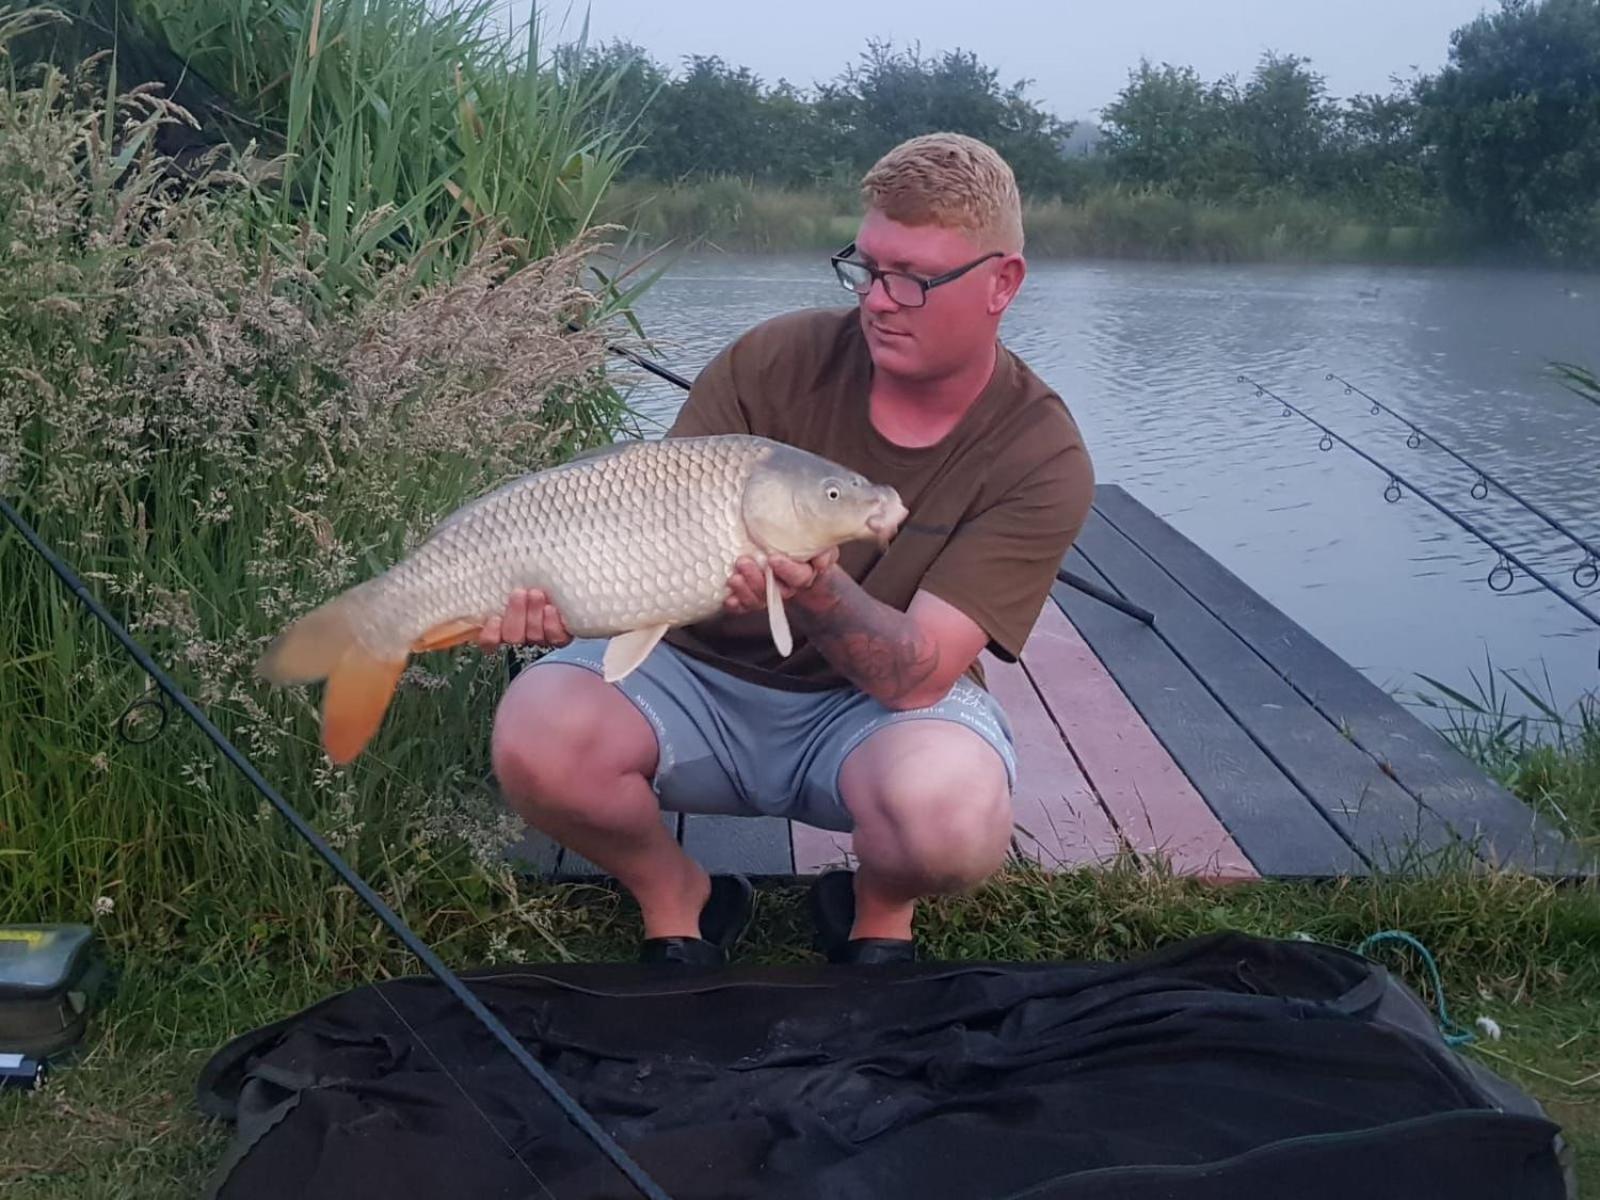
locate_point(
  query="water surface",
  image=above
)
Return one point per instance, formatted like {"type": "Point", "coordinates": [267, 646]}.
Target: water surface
{"type": "Point", "coordinates": [1148, 358]}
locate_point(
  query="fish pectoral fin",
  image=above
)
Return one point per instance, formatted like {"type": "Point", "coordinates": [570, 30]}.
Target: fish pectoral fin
{"type": "Point", "coordinates": [358, 694]}
{"type": "Point", "coordinates": [778, 617]}
{"type": "Point", "coordinates": [446, 635]}
{"type": "Point", "coordinates": [627, 650]}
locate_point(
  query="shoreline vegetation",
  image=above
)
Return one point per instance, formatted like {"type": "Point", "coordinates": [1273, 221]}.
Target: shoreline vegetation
{"type": "Point", "coordinates": [230, 387]}
{"type": "Point", "coordinates": [740, 216]}
{"type": "Point", "coordinates": [1494, 157]}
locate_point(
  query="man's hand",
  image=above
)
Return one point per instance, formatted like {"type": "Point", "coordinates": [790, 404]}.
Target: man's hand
{"type": "Point", "coordinates": [747, 586]}
{"type": "Point", "coordinates": [529, 620]}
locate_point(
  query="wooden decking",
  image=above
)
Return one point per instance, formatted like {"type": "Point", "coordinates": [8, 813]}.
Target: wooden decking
{"type": "Point", "coordinates": [1224, 741]}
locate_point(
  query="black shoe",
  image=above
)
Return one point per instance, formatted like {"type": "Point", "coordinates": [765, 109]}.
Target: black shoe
{"type": "Point", "coordinates": [723, 921]}
{"type": "Point", "coordinates": [833, 914]}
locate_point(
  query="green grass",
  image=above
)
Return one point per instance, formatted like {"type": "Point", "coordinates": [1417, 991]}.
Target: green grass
{"type": "Point", "coordinates": [1548, 757]}
{"type": "Point", "coordinates": [121, 1122]}
{"type": "Point", "coordinates": [734, 215]}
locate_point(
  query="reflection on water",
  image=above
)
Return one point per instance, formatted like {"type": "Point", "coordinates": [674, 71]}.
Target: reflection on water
{"type": "Point", "coordinates": [1148, 359]}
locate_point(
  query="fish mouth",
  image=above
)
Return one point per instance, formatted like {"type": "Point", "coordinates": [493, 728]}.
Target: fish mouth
{"type": "Point", "coordinates": [885, 522]}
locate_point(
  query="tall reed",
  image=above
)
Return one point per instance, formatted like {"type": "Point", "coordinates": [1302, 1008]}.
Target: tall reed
{"type": "Point", "coordinates": [404, 124]}
{"type": "Point", "coordinates": [217, 441]}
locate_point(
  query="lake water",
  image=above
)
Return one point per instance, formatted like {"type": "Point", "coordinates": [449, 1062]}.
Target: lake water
{"type": "Point", "coordinates": [1148, 358]}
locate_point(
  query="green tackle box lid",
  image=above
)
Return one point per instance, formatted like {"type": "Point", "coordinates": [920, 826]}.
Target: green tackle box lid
{"type": "Point", "coordinates": [37, 961]}
{"type": "Point", "coordinates": [47, 973]}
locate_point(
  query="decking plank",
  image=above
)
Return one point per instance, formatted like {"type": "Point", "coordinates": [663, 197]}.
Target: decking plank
{"type": "Point", "coordinates": [1266, 815]}
{"type": "Point", "coordinates": [749, 845]}
{"type": "Point", "coordinates": [1390, 827]}
{"type": "Point", "coordinates": [535, 853]}
{"type": "Point", "coordinates": [1059, 821]}
{"type": "Point", "coordinates": [1423, 762]}
{"type": "Point", "coordinates": [815, 850]}
{"type": "Point", "coordinates": [1157, 809]}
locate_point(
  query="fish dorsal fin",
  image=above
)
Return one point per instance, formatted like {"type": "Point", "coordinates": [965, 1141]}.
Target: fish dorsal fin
{"type": "Point", "coordinates": [627, 650]}
{"type": "Point", "coordinates": [777, 617]}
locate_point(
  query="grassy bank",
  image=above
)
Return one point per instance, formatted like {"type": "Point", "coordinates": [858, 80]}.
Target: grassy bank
{"type": "Point", "coordinates": [1547, 756]}
{"type": "Point", "coordinates": [730, 214]}
{"type": "Point", "coordinates": [121, 1123]}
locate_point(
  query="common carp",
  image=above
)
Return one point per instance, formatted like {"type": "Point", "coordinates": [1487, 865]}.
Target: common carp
{"type": "Point", "coordinates": [628, 541]}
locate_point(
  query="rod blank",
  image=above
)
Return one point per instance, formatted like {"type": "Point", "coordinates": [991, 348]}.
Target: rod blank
{"type": "Point", "coordinates": [1584, 576]}
{"type": "Point", "coordinates": [1393, 493]}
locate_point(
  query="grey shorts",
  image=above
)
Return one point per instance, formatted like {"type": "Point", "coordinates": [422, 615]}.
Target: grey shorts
{"type": "Point", "coordinates": [728, 746]}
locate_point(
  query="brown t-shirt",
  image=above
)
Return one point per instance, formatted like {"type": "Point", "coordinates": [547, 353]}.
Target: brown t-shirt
{"type": "Point", "coordinates": [994, 505]}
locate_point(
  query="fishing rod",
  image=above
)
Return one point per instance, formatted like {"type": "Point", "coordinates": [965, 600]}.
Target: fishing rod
{"type": "Point", "coordinates": [1087, 587]}
{"type": "Point", "coordinates": [640, 360]}
{"type": "Point", "coordinates": [1393, 492]}
{"type": "Point", "coordinates": [1584, 576]}
{"type": "Point", "coordinates": [569, 1107]}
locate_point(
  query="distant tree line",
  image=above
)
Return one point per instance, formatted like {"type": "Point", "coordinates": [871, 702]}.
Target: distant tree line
{"type": "Point", "coordinates": [1504, 139]}
{"type": "Point", "coordinates": [713, 118]}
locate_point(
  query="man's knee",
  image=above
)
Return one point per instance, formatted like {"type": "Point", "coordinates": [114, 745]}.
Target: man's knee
{"type": "Point", "coordinates": [559, 726]}
{"type": "Point", "coordinates": [936, 796]}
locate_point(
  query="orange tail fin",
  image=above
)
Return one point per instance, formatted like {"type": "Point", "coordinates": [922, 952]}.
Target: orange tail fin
{"type": "Point", "coordinates": [322, 645]}
{"type": "Point", "coordinates": [361, 686]}
{"type": "Point", "coordinates": [358, 694]}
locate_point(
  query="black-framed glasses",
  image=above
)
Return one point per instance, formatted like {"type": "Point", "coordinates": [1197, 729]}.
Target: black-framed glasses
{"type": "Point", "coordinates": [905, 289]}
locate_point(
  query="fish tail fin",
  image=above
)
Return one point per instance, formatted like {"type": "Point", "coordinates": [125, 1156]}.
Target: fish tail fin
{"type": "Point", "coordinates": [310, 648]}
{"type": "Point", "coordinates": [360, 683]}
{"type": "Point", "coordinates": [358, 694]}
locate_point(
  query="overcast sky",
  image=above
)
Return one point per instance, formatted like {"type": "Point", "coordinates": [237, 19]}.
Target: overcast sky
{"type": "Point", "coordinates": [1078, 54]}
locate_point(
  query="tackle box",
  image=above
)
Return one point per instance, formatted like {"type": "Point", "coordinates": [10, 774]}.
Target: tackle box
{"type": "Point", "coordinates": [48, 975]}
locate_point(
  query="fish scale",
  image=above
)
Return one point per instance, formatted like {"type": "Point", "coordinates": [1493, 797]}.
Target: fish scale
{"type": "Point", "coordinates": [626, 541]}
{"type": "Point", "coordinates": [617, 540]}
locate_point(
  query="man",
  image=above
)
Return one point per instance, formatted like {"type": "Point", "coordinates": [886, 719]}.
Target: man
{"type": "Point", "coordinates": [876, 722]}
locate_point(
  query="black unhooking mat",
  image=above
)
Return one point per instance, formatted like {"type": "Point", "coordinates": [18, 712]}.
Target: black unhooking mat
{"type": "Point", "coordinates": [1221, 1067]}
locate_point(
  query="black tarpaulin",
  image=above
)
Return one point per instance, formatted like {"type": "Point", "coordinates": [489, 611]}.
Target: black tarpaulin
{"type": "Point", "coordinates": [1225, 1066]}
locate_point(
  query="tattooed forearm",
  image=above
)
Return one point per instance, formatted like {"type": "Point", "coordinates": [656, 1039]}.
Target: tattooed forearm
{"type": "Point", "coordinates": [879, 649]}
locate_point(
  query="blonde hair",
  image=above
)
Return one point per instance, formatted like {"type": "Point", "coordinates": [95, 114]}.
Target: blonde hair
{"type": "Point", "coordinates": [951, 180]}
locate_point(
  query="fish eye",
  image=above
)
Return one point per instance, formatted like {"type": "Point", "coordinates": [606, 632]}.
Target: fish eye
{"type": "Point", "coordinates": [833, 491]}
